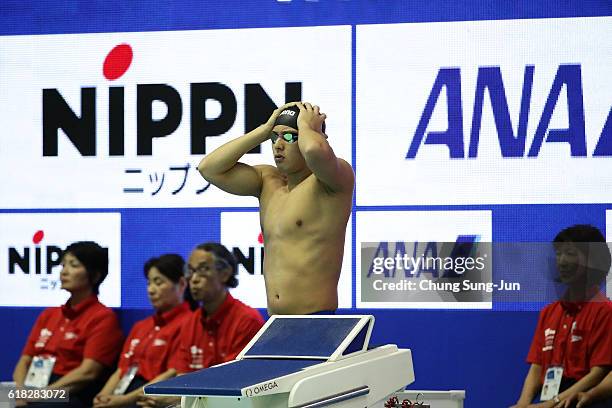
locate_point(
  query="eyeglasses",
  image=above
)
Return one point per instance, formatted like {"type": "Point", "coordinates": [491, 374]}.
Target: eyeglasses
{"type": "Point", "coordinates": [289, 137]}
{"type": "Point", "coordinates": [204, 269]}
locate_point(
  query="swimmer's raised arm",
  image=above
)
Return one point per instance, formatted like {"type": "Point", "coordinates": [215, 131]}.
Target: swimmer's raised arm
{"type": "Point", "coordinates": [320, 158]}
{"type": "Point", "coordinates": [222, 168]}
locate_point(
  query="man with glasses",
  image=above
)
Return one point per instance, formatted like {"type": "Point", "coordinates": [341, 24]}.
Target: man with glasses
{"type": "Point", "coordinates": [223, 325]}
{"type": "Point", "coordinates": [305, 202]}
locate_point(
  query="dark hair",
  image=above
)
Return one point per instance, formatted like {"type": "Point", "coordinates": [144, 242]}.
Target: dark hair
{"type": "Point", "coordinates": [592, 244]}
{"type": "Point", "coordinates": [94, 258]}
{"type": "Point", "coordinates": [223, 258]}
{"type": "Point", "coordinates": [172, 266]}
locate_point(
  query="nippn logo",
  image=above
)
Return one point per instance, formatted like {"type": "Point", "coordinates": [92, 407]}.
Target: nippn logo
{"type": "Point", "coordinates": [31, 250]}
{"type": "Point", "coordinates": [251, 258]}
{"type": "Point", "coordinates": [241, 233]}
{"type": "Point", "coordinates": [36, 258]}
{"type": "Point", "coordinates": [80, 124]}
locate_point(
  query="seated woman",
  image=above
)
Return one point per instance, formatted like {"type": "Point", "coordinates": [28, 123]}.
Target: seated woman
{"type": "Point", "coordinates": [73, 346]}
{"type": "Point", "coordinates": [571, 349]}
{"type": "Point", "coordinates": [152, 341]}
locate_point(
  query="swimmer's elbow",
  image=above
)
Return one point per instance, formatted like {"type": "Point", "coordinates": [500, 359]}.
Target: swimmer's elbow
{"type": "Point", "coordinates": [205, 170]}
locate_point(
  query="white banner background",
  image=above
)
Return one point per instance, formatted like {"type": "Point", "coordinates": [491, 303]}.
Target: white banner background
{"type": "Point", "coordinates": [270, 57]}
{"type": "Point", "coordinates": [60, 229]}
{"type": "Point", "coordinates": [410, 226]}
{"type": "Point", "coordinates": [397, 65]}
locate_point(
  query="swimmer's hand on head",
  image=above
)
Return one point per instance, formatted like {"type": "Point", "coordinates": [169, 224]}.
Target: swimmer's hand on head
{"type": "Point", "coordinates": [310, 117]}
{"type": "Point", "coordinates": [221, 167]}
{"type": "Point", "coordinates": [320, 158]}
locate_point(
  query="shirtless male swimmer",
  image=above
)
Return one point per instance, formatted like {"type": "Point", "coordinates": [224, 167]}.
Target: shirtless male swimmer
{"type": "Point", "coordinates": [305, 202]}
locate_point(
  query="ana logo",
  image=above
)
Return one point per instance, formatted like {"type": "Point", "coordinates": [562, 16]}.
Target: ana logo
{"type": "Point", "coordinates": [439, 260]}
{"type": "Point", "coordinates": [81, 128]}
{"type": "Point", "coordinates": [39, 257]}
{"type": "Point", "coordinates": [511, 144]}
{"type": "Point", "coordinates": [288, 112]}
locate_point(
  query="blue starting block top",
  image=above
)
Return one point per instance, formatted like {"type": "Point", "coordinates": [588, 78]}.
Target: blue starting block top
{"type": "Point", "coordinates": [229, 379]}
{"type": "Point", "coordinates": [306, 337]}
{"type": "Point", "coordinates": [285, 345]}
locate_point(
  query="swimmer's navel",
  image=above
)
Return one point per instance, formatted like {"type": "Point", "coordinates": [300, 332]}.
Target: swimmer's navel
{"type": "Point", "coordinates": [298, 223]}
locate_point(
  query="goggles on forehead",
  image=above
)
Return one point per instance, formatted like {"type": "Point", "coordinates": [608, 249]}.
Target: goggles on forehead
{"type": "Point", "coordinates": [289, 137]}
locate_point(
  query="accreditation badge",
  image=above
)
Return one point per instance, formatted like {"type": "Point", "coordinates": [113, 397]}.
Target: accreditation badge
{"type": "Point", "coordinates": [40, 371]}
{"type": "Point", "coordinates": [125, 380]}
{"type": "Point", "coordinates": [552, 383]}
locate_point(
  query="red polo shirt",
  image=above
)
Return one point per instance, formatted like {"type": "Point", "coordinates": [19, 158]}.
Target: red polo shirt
{"type": "Point", "coordinates": [152, 341]}
{"type": "Point", "coordinates": [574, 335]}
{"type": "Point", "coordinates": [71, 334]}
{"type": "Point", "coordinates": [218, 338]}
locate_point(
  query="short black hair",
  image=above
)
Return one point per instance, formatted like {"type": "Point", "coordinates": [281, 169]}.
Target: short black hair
{"type": "Point", "coordinates": [94, 258]}
{"type": "Point", "coordinates": [224, 258]}
{"type": "Point", "coordinates": [592, 244]}
{"type": "Point", "coordinates": [172, 266]}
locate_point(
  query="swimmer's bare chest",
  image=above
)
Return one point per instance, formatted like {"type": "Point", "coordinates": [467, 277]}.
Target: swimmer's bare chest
{"type": "Point", "coordinates": [292, 215]}
{"type": "Point", "coordinates": [303, 232]}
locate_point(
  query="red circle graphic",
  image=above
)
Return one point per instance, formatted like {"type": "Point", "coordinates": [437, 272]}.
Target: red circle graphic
{"type": "Point", "coordinates": [38, 236]}
{"type": "Point", "coordinates": [117, 62]}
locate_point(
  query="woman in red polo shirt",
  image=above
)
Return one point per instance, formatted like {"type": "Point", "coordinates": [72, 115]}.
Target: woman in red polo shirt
{"type": "Point", "coordinates": [571, 349]}
{"type": "Point", "coordinates": [146, 351]}
{"type": "Point", "coordinates": [72, 346]}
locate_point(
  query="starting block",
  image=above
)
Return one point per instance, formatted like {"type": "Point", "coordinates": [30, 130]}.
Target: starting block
{"type": "Point", "coordinates": [299, 362]}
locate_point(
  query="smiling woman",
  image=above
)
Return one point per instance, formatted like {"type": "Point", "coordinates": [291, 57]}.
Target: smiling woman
{"type": "Point", "coordinates": [571, 349]}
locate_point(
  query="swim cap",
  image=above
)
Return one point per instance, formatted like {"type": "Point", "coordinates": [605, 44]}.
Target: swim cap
{"type": "Point", "coordinates": [288, 117]}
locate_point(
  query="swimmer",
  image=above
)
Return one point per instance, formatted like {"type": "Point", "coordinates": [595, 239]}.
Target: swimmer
{"type": "Point", "coordinates": [305, 202]}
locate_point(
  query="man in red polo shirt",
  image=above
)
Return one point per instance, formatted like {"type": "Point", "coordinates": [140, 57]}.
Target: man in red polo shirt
{"type": "Point", "coordinates": [571, 349]}
{"type": "Point", "coordinates": [223, 326]}
{"type": "Point", "coordinates": [216, 332]}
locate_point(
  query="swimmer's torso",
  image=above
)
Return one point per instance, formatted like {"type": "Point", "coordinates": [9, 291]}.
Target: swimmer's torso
{"type": "Point", "coordinates": [304, 233]}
